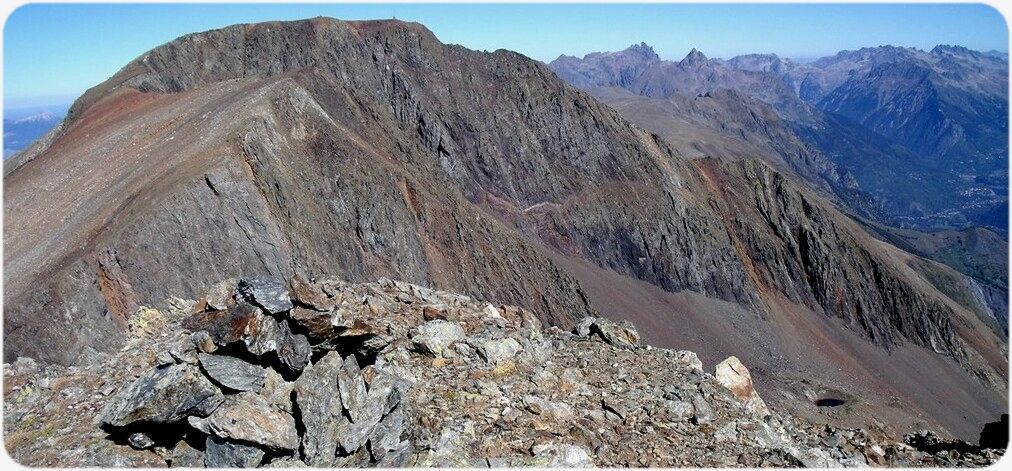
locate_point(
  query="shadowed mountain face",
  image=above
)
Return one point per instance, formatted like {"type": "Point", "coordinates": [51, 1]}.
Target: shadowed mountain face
{"type": "Point", "coordinates": [938, 116]}
{"type": "Point", "coordinates": [370, 149]}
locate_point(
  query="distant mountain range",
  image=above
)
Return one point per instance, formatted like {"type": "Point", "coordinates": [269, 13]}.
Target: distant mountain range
{"type": "Point", "coordinates": [22, 132]}
{"type": "Point", "coordinates": [924, 133]}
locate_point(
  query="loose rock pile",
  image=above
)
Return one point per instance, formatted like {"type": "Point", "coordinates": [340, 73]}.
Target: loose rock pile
{"type": "Point", "coordinates": [325, 374]}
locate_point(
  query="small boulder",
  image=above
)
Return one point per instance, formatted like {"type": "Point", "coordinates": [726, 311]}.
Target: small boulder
{"type": "Point", "coordinates": [140, 441]}
{"type": "Point", "coordinates": [266, 292]}
{"type": "Point", "coordinates": [318, 398]}
{"type": "Point", "coordinates": [496, 352]}
{"type": "Point", "coordinates": [293, 349]}
{"type": "Point", "coordinates": [162, 395]}
{"type": "Point", "coordinates": [249, 417]}
{"type": "Point", "coordinates": [702, 412]}
{"type": "Point", "coordinates": [733, 375]}
{"type": "Point", "coordinates": [220, 453]}
{"type": "Point", "coordinates": [433, 336]}
{"type": "Point", "coordinates": [583, 326]}
{"type": "Point", "coordinates": [352, 386]}
{"type": "Point", "coordinates": [263, 335]}
{"type": "Point", "coordinates": [232, 372]}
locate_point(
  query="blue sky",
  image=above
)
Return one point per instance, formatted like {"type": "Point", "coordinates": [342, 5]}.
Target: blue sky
{"type": "Point", "coordinates": [52, 53]}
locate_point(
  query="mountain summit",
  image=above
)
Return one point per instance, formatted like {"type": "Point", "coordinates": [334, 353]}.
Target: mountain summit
{"type": "Point", "coordinates": [369, 149]}
{"type": "Point", "coordinates": [694, 58]}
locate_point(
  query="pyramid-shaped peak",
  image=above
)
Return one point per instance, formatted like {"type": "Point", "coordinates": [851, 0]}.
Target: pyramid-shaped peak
{"type": "Point", "coordinates": [694, 56]}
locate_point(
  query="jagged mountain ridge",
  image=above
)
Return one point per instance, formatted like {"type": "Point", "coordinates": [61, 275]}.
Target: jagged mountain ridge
{"type": "Point", "coordinates": [942, 115]}
{"type": "Point", "coordinates": [258, 148]}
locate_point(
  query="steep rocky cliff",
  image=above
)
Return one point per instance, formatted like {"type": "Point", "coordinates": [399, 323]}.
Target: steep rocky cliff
{"type": "Point", "coordinates": [370, 149]}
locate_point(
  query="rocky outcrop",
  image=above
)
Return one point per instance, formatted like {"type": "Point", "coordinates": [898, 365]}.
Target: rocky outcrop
{"type": "Point", "coordinates": [500, 391]}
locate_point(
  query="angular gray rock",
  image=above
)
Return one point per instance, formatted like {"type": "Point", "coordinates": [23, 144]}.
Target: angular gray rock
{"type": "Point", "coordinates": [162, 395]}
{"type": "Point", "coordinates": [582, 327]}
{"type": "Point", "coordinates": [319, 402]}
{"type": "Point", "coordinates": [266, 292]}
{"type": "Point", "coordinates": [293, 349]}
{"type": "Point", "coordinates": [220, 453]}
{"type": "Point", "coordinates": [386, 391]}
{"type": "Point", "coordinates": [233, 373]}
{"type": "Point", "coordinates": [499, 351]}
{"type": "Point", "coordinates": [353, 390]}
{"type": "Point", "coordinates": [264, 335]}
{"type": "Point", "coordinates": [249, 417]}
{"type": "Point", "coordinates": [386, 436]}
{"type": "Point", "coordinates": [433, 336]}
{"type": "Point", "coordinates": [221, 295]}
{"type": "Point", "coordinates": [182, 455]}
{"type": "Point", "coordinates": [702, 411]}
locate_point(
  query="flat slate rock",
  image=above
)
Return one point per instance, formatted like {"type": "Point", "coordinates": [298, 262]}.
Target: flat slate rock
{"type": "Point", "coordinates": [266, 292]}
{"type": "Point", "coordinates": [165, 394]}
{"type": "Point", "coordinates": [233, 373]}
{"type": "Point", "coordinates": [316, 393]}
{"type": "Point", "coordinates": [250, 418]}
{"type": "Point", "coordinates": [220, 453]}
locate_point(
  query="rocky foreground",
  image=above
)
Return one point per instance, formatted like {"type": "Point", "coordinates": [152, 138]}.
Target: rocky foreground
{"type": "Point", "coordinates": [324, 374]}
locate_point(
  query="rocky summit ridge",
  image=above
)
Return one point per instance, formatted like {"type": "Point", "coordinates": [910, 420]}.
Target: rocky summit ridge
{"type": "Point", "coordinates": [392, 374]}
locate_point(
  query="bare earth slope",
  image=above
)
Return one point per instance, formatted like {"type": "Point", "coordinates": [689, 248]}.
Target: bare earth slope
{"type": "Point", "coordinates": [370, 149]}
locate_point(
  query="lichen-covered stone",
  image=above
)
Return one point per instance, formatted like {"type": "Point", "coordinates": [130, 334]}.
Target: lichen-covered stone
{"type": "Point", "coordinates": [219, 453]}
{"type": "Point", "coordinates": [250, 418]}
{"type": "Point", "coordinates": [233, 373]}
{"type": "Point", "coordinates": [266, 292]}
{"type": "Point", "coordinates": [162, 395]}
{"type": "Point", "coordinates": [318, 397]}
